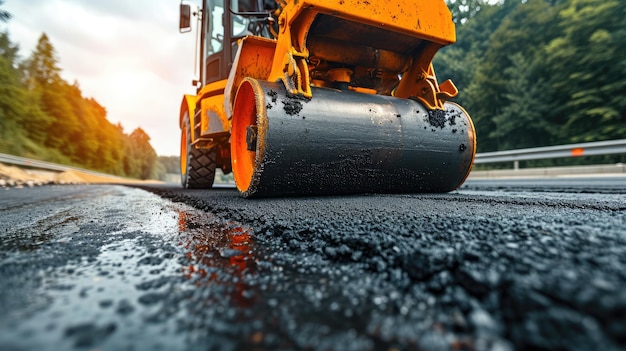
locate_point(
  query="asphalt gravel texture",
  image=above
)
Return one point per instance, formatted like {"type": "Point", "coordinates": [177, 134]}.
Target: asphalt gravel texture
{"type": "Point", "coordinates": [483, 268]}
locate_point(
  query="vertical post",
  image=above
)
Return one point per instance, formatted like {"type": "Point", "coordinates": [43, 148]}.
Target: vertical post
{"type": "Point", "coordinates": [204, 17]}
{"type": "Point", "coordinates": [516, 165]}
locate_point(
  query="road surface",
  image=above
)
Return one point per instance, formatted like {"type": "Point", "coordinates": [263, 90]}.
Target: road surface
{"type": "Point", "coordinates": [494, 266]}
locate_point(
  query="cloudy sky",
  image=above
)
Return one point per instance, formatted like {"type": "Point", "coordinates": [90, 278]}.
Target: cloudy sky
{"type": "Point", "coordinates": [127, 54]}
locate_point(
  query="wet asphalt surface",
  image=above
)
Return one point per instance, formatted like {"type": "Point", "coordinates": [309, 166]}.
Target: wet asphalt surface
{"type": "Point", "coordinates": [494, 266]}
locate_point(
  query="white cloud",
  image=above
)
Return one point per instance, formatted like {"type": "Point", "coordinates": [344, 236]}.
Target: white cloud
{"type": "Point", "coordinates": [128, 55]}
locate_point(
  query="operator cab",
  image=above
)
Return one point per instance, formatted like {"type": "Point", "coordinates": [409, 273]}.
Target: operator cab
{"type": "Point", "coordinates": [218, 43]}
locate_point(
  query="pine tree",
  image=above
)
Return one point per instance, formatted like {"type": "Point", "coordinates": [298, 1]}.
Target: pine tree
{"type": "Point", "coordinates": [589, 83]}
{"type": "Point", "coordinates": [43, 77]}
{"type": "Point", "coordinates": [42, 68]}
{"type": "Point", "coordinates": [4, 15]}
{"type": "Point", "coordinates": [143, 154]}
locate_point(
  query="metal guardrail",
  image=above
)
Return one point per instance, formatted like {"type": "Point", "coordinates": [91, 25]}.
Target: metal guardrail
{"type": "Point", "coordinates": [572, 150]}
{"type": "Point", "coordinates": [48, 166]}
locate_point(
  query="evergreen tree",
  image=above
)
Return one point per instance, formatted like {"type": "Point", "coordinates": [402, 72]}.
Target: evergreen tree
{"type": "Point", "coordinates": [42, 67]}
{"type": "Point", "coordinates": [13, 103]}
{"type": "Point", "coordinates": [589, 69]}
{"type": "Point", "coordinates": [43, 116]}
{"type": "Point", "coordinates": [523, 119]}
{"type": "Point", "coordinates": [463, 10]}
{"type": "Point", "coordinates": [84, 138]}
{"type": "Point", "coordinates": [4, 15]}
{"type": "Point", "coordinates": [44, 79]}
{"type": "Point", "coordinates": [144, 155]}
{"type": "Point", "coordinates": [20, 118]}
{"type": "Point", "coordinates": [170, 163]}
{"type": "Point", "coordinates": [540, 72]}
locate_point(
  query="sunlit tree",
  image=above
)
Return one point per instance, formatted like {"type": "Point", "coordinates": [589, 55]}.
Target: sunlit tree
{"type": "Point", "coordinates": [45, 117]}
{"type": "Point", "coordinates": [144, 155]}
{"type": "Point", "coordinates": [42, 67]}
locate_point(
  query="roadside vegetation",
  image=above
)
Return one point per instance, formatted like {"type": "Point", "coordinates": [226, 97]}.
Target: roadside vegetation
{"type": "Point", "coordinates": [44, 117]}
{"type": "Point", "coordinates": [539, 72]}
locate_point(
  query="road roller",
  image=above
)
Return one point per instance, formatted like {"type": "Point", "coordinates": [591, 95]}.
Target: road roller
{"type": "Point", "coordinates": [323, 97]}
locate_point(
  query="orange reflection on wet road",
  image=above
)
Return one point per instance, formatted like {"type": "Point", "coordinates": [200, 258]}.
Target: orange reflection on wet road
{"type": "Point", "coordinates": [218, 252]}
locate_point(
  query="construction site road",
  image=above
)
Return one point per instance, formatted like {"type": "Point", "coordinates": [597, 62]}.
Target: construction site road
{"type": "Point", "coordinates": [493, 266]}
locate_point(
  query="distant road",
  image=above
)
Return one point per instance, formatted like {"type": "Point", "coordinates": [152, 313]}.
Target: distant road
{"type": "Point", "coordinates": [579, 184]}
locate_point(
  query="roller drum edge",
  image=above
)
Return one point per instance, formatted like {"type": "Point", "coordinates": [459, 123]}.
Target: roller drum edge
{"type": "Point", "coordinates": [343, 142]}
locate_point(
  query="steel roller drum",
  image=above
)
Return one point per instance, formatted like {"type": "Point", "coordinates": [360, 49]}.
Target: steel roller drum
{"type": "Point", "coordinates": [344, 142]}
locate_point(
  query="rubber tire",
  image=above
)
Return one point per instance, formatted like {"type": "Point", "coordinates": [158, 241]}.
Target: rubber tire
{"type": "Point", "coordinates": [199, 170]}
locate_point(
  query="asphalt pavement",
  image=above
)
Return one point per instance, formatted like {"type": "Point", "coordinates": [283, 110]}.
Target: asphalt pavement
{"type": "Point", "coordinates": [494, 266]}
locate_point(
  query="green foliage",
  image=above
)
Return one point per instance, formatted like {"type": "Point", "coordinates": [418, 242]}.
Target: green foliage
{"type": "Point", "coordinates": [4, 15]}
{"type": "Point", "coordinates": [13, 97]}
{"type": "Point", "coordinates": [142, 157]}
{"type": "Point", "coordinates": [167, 168]}
{"type": "Point", "coordinates": [171, 164]}
{"type": "Point", "coordinates": [463, 10]}
{"type": "Point", "coordinates": [591, 49]}
{"type": "Point", "coordinates": [41, 68]}
{"type": "Point", "coordinates": [42, 116]}
{"type": "Point", "coordinates": [540, 72]}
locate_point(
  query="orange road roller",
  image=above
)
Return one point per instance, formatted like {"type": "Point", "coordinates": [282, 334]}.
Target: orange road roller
{"type": "Point", "coordinates": [319, 97]}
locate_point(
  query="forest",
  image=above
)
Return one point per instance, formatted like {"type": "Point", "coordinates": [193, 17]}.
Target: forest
{"type": "Point", "coordinates": [44, 117]}
{"type": "Point", "coordinates": [539, 72]}
{"type": "Point", "coordinates": [530, 73]}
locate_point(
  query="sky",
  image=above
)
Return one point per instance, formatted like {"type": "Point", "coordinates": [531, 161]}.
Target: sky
{"type": "Point", "coordinates": [126, 54]}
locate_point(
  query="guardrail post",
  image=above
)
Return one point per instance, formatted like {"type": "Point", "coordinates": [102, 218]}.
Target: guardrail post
{"type": "Point", "coordinates": [516, 165]}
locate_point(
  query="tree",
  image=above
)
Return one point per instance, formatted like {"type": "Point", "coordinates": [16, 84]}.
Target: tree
{"type": "Point", "coordinates": [13, 103]}
{"type": "Point", "coordinates": [4, 15]}
{"type": "Point", "coordinates": [143, 155]}
{"type": "Point", "coordinates": [521, 31]}
{"type": "Point", "coordinates": [43, 77]}
{"type": "Point", "coordinates": [539, 72]}
{"type": "Point", "coordinates": [43, 116]}
{"type": "Point", "coordinates": [523, 120]}
{"type": "Point", "coordinates": [20, 118]}
{"type": "Point", "coordinates": [42, 69]}
{"type": "Point", "coordinates": [465, 63]}
{"type": "Point", "coordinates": [8, 50]}
{"type": "Point", "coordinates": [170, 163]}
{"type": "Point", "coordinates": [84, 137]}
{"type": "Point", "coordinates": [589, 84]}
{"type": "Point", "coordinates": [463, 10]}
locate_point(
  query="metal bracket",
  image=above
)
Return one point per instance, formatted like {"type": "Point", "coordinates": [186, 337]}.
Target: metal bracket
{"type": "Point", "coordinates": [296, 73]}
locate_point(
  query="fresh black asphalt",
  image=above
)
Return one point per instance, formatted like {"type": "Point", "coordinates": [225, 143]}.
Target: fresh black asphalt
{"type": "Point", "coordinates": [489, 267]}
